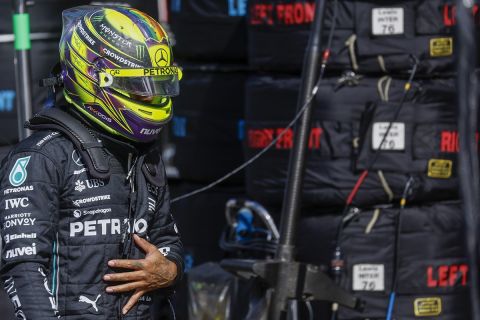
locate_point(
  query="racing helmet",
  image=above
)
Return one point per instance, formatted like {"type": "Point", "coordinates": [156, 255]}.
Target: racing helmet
{"type": "Point", "coordinates": [117, 70]}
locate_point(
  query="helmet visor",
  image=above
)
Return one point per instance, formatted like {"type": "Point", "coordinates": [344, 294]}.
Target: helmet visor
{"type": "Point", "coordinates": [148, 82]}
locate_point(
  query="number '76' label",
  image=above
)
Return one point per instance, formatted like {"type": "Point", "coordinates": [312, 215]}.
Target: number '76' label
{"type": "Point", "coordinates": [387, 21]}
{"type": "Point", "coordinates": [368, 277]}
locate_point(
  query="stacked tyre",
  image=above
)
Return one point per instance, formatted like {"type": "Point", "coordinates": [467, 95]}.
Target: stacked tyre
{"type": "Point", "coordinates": [205, 136]}
{"type": "Point", "coordinates": [415, 250]}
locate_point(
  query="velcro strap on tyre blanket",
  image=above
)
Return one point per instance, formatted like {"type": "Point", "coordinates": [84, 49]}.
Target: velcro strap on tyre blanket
{"type": "Point", "coordinates": [432, 261]}
{"type": "Point", "coordinates": [339, 137]}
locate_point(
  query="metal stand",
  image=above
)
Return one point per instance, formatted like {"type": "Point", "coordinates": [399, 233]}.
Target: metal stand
{"type": "Point", "coordinates": [291, 280]}
{"type": "Point", "coordinates": [23, 74]}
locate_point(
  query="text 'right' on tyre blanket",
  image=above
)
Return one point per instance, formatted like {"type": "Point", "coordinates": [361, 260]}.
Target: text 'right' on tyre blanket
{"type": "Point", "coordinates": [369, 37]}
{"type": "Point", "coordinates": [432, 270]}
{"type": "Point", "coordinates": [350, 118]}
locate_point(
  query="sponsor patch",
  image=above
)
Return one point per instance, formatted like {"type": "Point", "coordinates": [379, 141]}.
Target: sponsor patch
{"type": "Point", "coordinates": [20, 252]}
{"type": "Point", "coordinates": [440, 168]}
{"type": "Point", "coordinates": [46, 138]}
{"type": "Point", "coordinates": [19, 222]}
{"type": "Point", "coordinates": [19, 189]}
{"type": "Point", "coordinates": [79, 202]}
{"type": "Point", "coordinates": [76, 158]}
{"type": "Point", "coordinates": [105, 227]}
{"type": "Point", "coordinates": [11, 237]}
{"type": "Point", "coordinates": [16, 203]}
{"type": "Point", "coordinates": [78, 213]}
{"type": "Point", "coordinates": [428, 307]}
{"type": "Point", "coordinates": [387, 21]}
{"type": "Point", "coordinates": [441, 47]}
{"type": "Point", "coordinates": [18, 175]}
{"type": "Point", "coordinates": [368, 277]}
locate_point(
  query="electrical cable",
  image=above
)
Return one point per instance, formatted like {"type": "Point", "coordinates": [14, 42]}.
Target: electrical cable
{"type": "Point", "coordinates": [398, 224]}
{"type": "Point", "coordinates": [325, 59]}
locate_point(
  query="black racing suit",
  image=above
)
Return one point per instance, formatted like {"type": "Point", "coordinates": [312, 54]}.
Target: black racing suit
{"type": "Point", "coordinates": [60, 226]}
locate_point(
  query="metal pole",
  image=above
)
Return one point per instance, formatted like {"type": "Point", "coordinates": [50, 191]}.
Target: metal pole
{"type": "Point", "coordinates": [293, 193]}
{"type": "Point", "coordinates": [23, 74]}
{"type": "Point", "coordinates": [467, 127]}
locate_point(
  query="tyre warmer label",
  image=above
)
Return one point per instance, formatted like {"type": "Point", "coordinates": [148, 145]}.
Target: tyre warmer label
{"type": "Point", "coordinates": [388, 21]}
{"type": "Point", "coordinates": [395, 141]}
{"type": "Point", "coordinates": [441, 47]}
{"type": "Point", "coordinates": [427, 307]}
{"type": "Point", "coordinates": [440, 168]}
{"type": "Point", "coordinates": [368, 277]}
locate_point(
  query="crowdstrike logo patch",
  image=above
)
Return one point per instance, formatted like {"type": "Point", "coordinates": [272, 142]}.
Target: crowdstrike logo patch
{"type": "Point", "coordinates": [18, 175]}
{"type": "Point", "coordinates": [79, 202]}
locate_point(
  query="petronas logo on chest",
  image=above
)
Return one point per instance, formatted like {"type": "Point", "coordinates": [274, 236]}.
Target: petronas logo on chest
{"type": "Point", "coordinates": [18, 175]}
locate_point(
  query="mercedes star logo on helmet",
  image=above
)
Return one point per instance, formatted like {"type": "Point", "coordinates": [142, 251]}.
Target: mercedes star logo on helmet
{"type": "Point", "coordinates": [162, 57]}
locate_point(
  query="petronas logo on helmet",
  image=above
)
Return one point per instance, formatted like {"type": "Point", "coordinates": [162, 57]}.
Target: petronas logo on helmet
{"type": "Point", "coordinates": [18, 175]}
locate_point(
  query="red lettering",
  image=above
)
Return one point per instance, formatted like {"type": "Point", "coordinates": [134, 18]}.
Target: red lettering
{"type": "Point", "coordinates": [261, 14]}
{"type": "Point", "coordinates": [309, 12]}
{"type": "Point", "coordinates": [464, 272]}
{"type": "Point", "coordinates": [298, 12]}
{"type": "Point", "coordinates": [289, 14]}
{"type": "Point", "coordinates": [453, 275]}
{"type": "Point", "coordinates": [442, 276]}
{"type": "Point", "coordinates": [315, 135]}
{"type": "Point", "coordinates": [261, 138]}
{"type": "Point", "coordinates": [280, 10]}
{"type": "Point", "coordinates": [446, 141]}
{"type": "Point", "coordinates": [258, 139]}
{"type": "Point", "coordinates": [449, 142]}
{"type": "Point", "coordinates": [448, 276]}
{"type": "Point", "coordinates": [286, 141]}
{"type": "Point", "coordinates": [431, 283]}
{"type": "Point", "coordinates": [450, 15]}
